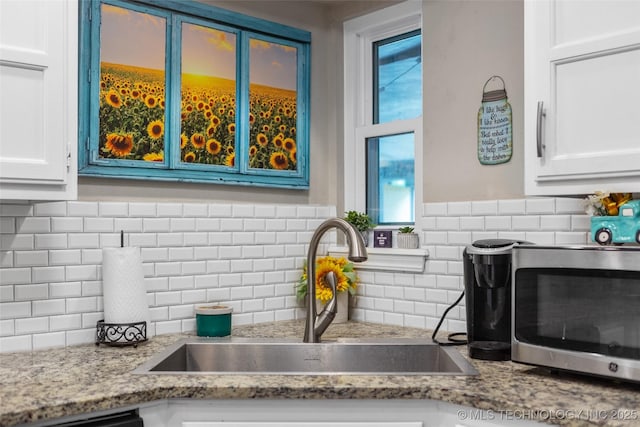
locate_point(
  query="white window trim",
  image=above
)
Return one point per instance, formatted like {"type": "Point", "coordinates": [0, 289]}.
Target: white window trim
{"type": "Point", "coordinates": [359, 34]}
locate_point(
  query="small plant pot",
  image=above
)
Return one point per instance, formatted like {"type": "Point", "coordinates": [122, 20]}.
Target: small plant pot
{"type": "Point", "coordinates": [408, 241]}
{"type": "Point", "coordinates": [213, 320]}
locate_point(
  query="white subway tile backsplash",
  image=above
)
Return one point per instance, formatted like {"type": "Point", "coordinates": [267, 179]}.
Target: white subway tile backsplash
{"type": "Point", "coordinates": [472, 223]}
{"type": "Point", "coordinates": [33, 225]}
{"type": "Point", "coordinates": [541, 206]}
{"type": "Point", "coordinates": [244, 255]}
{"type": "Point", "coordinates": [113, 209]}
{"type": "Point", "coordinates": [497, 223]}
{"type": "Point", "coordinates": [30, 258]}
{"type": "Point", "coordinates": [65, 290]}
{"type": "Point", "coordinates": [195, 210]}
{"type": "Point", "coordinates": [51, 241]}
{"type": "Point", "coordinates": [6, 293]}
{"type": "Point", "coordinates": [512, 207]}
{"type": "Point", "coordinates": [150, 225]}
{"type": "Point", "coordinates": [7, 225]}
{"type": "Point", "coordinates": [16, 343]}
{"type": "Point", "coordinates": [65, 322]}
{"type": "Point", "coordinates": [265, 211]}
{"type": "Point", "coordinates": [484, 207]}
{"type": "Point", "coordinates": [568, 205]}
{"type": "Point", "coordinates": [181, 311]}
{"type": "Point", "coordinates": [81, 336]}
{"type": "Point", "coordinates": [529, 222]}
{"type": "Point", "coordinates": [171, 210]}
{"type": "Point", "coordinates": [15, 276]}
{"type": "Point", "coordinates": [31, 292]}
{"type": "Point", "coordinates": [82, 209]}
{"type": "Point", "coordinates": [84, 240]}
{"type": "Point", "coordinates": [48, 307]}
{"type": "Point", "coordinates": [50, 209]}
{"type": "Point", "coordinates": [66, 225]}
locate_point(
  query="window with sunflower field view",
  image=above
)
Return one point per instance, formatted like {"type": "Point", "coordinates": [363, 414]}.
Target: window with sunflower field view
{"type": "Point", "coordinates": [190, 92]}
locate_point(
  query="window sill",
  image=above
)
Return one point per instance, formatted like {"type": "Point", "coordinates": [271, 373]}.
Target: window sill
{"type": "Point", "coordinates": [388, 259]}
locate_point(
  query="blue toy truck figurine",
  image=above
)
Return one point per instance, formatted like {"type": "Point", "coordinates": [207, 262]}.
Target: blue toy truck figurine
{"type": "Point", "coordinates": [623, 228]}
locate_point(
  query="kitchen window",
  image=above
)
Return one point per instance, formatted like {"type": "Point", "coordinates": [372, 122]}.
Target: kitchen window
{"type": "Point", "coordinates": [183, 91]}
{"type": "Point", "coordinates": [383, 114]}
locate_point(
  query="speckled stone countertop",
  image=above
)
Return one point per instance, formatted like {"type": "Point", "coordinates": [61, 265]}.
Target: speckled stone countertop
{"type": "Point", "coordinates": [48, 384]}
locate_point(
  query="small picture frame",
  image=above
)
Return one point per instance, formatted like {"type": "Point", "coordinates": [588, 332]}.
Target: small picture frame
{"type": "Point", "coordinates": [382, 238]}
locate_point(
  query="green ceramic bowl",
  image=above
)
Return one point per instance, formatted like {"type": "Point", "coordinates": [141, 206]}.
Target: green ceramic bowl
{"type": "Point", "coordinates": [213, 320]}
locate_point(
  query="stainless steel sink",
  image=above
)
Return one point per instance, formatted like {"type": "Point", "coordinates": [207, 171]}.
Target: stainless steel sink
{"type": "Point", "coordinates": [282, 357]}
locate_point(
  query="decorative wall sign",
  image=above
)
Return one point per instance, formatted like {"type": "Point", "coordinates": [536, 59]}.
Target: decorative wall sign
{"type": "Point", "coordinates": [495, 135]}
{"type": "Point", "coordinates": [382, 238]}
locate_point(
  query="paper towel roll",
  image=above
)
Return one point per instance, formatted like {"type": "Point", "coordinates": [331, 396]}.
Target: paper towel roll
{"type": "Point", "coordinates": [125, 296]}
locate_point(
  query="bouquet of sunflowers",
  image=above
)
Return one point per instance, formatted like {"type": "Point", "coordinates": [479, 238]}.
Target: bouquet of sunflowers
{"type": "Point", "coordinates": [347, 280]}
{"type": "Point", "coordinates": [605, 204]}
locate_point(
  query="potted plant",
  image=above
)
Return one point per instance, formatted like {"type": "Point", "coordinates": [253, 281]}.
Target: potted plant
{"type": "Point", "coordinates": [347, 281]}
{"type": "Point", "coordinates": [407, 239]}
{"type": "Point", "coordinates": [361, 222]}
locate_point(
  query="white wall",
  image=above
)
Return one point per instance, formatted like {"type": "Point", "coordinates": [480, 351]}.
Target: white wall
{"type": "Point", "coordinates": [465, 43]}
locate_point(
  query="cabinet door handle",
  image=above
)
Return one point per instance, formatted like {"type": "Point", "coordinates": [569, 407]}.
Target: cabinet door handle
{"type": "Point", "coordinates": [539, 145]}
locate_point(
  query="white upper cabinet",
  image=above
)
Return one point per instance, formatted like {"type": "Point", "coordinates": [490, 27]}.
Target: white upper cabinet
{"type": "Point", "coordinates": [38, 105]}
{"type": "Point", "coordinates": [582, 96]}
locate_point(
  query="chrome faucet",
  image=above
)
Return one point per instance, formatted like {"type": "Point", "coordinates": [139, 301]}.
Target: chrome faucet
{"type": "Point", "coordinates": [317, 324]}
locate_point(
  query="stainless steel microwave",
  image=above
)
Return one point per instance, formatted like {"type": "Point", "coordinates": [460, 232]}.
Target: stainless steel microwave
{"type": "Point", "coordinates": [577, 309]}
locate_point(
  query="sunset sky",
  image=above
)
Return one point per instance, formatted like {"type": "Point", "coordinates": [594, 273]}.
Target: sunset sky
{"type": "Point", "coordinates": [138, 39]}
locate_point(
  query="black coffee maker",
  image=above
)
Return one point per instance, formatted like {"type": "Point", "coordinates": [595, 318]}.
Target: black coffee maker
{"type": "Point", "coordinates": [487, 287]}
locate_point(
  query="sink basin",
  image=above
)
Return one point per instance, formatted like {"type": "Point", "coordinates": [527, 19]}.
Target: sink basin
{"type": "Point", "coordinates": [281, 357]}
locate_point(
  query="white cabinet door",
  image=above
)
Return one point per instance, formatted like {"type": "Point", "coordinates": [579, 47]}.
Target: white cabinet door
{"type": "Point", "coordinates": [582, 92]}
{"type": "Point", "coordinates": [38, 105]}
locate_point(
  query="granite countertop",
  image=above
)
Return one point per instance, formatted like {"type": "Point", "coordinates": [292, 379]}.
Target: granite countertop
{"type": "Point", "coordinates": [49, 384]}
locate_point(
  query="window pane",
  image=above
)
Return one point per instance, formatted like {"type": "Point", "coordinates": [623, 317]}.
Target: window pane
{"type": "Point", "coordinates": [208, 111]}
{"type": "Point", "coordinates": [397, 78]}
{"type": "Point", "coordinates": [132, 85]}
{"type": "Point", "coordinates": [390, 179]}
{"type": "Point", "coordinates": [272, 109]}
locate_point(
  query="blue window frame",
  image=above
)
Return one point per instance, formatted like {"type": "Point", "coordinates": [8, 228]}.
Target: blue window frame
{"type": "Point", "coordinates": [182, 91]}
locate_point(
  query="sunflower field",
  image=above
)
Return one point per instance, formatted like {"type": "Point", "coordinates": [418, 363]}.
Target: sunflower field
{"type": "Point", "coordinates": [132, 111]}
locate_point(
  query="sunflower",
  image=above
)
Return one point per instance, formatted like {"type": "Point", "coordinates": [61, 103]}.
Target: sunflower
{"type": "Point", "coordinates": [119, 145]}
{"type": "Point", "coordinates": [279, 160]}
{"type": "Point", "coordinates": [231, 128]}
{"type": "Point", "coordinates": [135, 94]}
{"type": "Point", "coordinates": [150, 101]}
{"type": "Point", "coordinates": [155, 129]}
{"type": "Point", "coordinates": [346, 278]}
{"type": "Point", "coordinates": [230, 149]}
{"type": "Point", "coordinates": [215, 120]}
{"type": "Point", "coordinates": [197, 140]}
{"type": "Point", "coordinates": [230, 160]}
{"type": "Point", "coordinates": [289, 144]}
{"type": "Point", "coordinates": [252, 150]}
{"type": "Point", "coordinates": [113, 99]}
{"type": "Point", "coordinates": [154, 157]}
{"type": "Point", "coordinates": [293, 156]}
{"type": "Point", "coordinates": [265, 128]}
{"type": "Point", "coordinates": [211, 130]}
{"type": "Point", "coordinates": [213, 146]}
{"type": "Point", "coordinates": [190, 157]}
{"type": "Point", "coordinates": [252, 118]}
{"type": "Point", "coordinates": [183, 140]}
{"type": "Point", "coordinates": [278, 140]}
{"type": "Point", "coordinates": [262, 139]}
